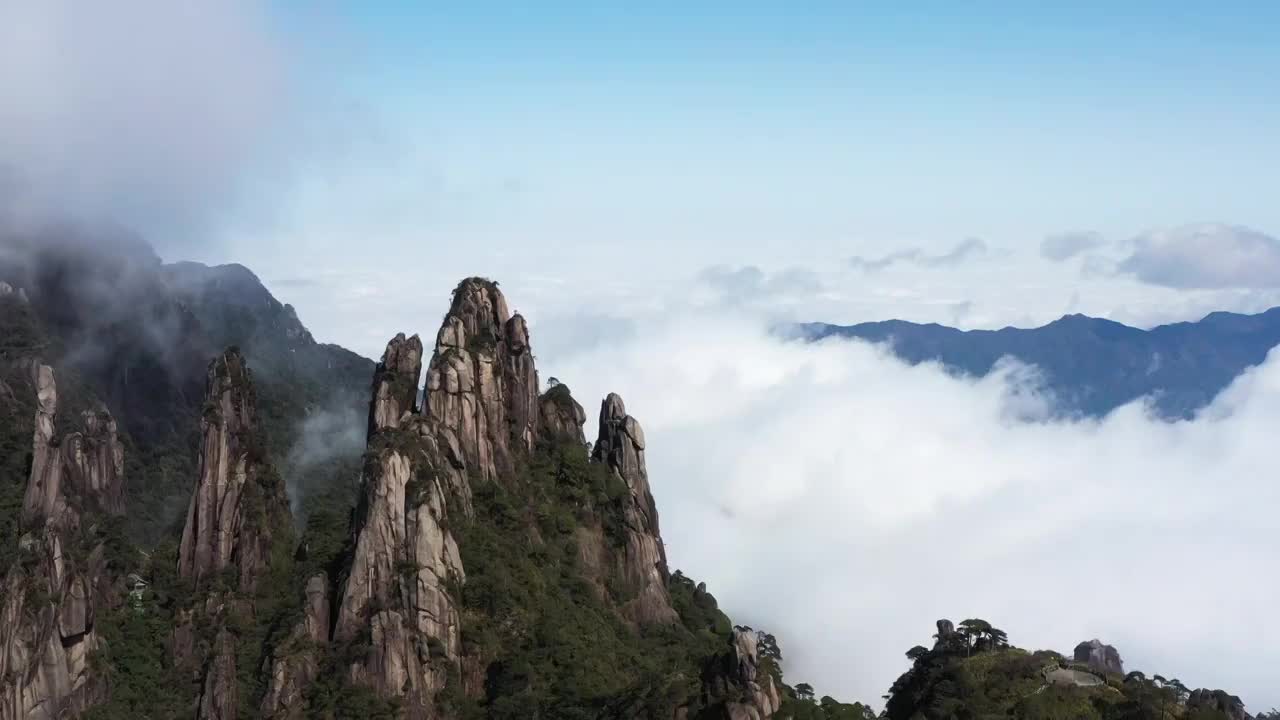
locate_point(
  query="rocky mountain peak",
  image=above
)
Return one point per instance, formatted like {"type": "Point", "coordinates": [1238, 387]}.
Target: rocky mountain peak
{"type": "Point", "coordinates": [481, 381]}
{"type": "Point", "coordinates": [239, 501]}
{"type": "Point", "coordinates": [560, 416]}
{"type": "Point", "coordinates": [737, 674]}
{"type": "Point", "coordinates": [1217, 701]}
{"type": "Point", "coordinates": [1099, 656]}
{"type": "Point", "coordinates": [51, 600]}
{"type": "Point", "coordinates": [85, 466]}
{"type": "Point", "coordinates": [620, 447]}
{"type": "Point", "coordinates": [395, 383]}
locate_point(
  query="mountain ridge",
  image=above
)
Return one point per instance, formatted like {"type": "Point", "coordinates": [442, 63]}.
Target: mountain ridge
{"type": "Point", "coordinates": [1090, 365]}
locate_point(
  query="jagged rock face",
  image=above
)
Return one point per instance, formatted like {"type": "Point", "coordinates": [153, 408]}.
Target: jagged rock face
{"type": "Point", "coordinates": [239, 504]}
{"type": "Point", "coordinates": [560, 416]}
{"type": "Point", "coordinates": [297, 660]}
{"type": "Point", "coordinates": [90, 463]}
{"type": "Point", "coordinates": [219, 696]}
{"type": "Point", "coordinates": [405, 559]}
{"type": "Point", "coordinates": [52, 597]}
{"type": "Point", "coordinates": [1100, 657]}
{"type": "Point", "coordinates": [947, 637]}
{"type": "Point", "coordinates": [238, 515]}
{"type": "Point", "coordinates": [45, 645]}
{"type": "Point", "coordinates": [395, 383]}
{"type": "Point", "coordinates": [644, 564]}
{"type": "Point", "coordinates": [45, 485]}
{"type": "Point", "coordinates": [481, 382]}
{"type": "Point", "coordinates": [95, 462]}
{"type": "Point", "coordinates": [736, 675]}
{"type": "Point", "coordinates": [1218, 700]}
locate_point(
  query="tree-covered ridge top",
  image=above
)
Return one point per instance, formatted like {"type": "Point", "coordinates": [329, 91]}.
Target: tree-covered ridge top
{"type": "Point", "coordinates": [971, 671]}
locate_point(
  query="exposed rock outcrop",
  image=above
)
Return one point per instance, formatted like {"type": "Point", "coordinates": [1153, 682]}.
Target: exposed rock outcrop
{"type": "Point", "coordinates": [946, 638]}
{"type": "Point", "coordinates": [396, 603]}
{"type": "Point", "coordinates": [296, 662]}
{"type": "Point", "coordinates": [1219, 701]}
{"type": "Point", "coordinates": [237, 519]}
{"type": "Point", "coordinates": [220, 693]}
{"type": "Point", "coordinates": [560, 416]}
{"type": "Point", "coordinates": [86, 465]}
{"type": "Point", "coordinates": [1100, 657]}
{"type": "Point", "coordinates": [481, 383]}
{"type": "Point", "coordinates": [735, 682]}
{"type": "Point", "coordinates": [395, 383]}
{"type": "Point", "coordinates": [405, 561]}
{"type": "Point", "coordinates": [54, 593]}
{"type": "Point", "coordinates": [620, 446]}
{"type": "Point", "coordinates": [239, 503]}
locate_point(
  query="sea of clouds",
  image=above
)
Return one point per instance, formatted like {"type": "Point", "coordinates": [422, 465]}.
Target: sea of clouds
{"type": "Point", "coordinates": [844, 501]}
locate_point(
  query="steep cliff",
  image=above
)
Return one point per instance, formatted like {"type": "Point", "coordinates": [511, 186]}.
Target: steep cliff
{"type": "Point", "coordinates": [238, 531]}
{"type": "Point", "coordinates": [238, 507]}
{"type": "Point", "coordinates": [395, 384]}
{"type": "Point", "coordinates": [395, 604]}
{"type": "Point", "coordinates": [481, 381]}
{"type": "Point", "coordinates": [748, 692]}
{"type": "Point", "coordinates": [60, 581]}
{"type": "Point", "coordinates": [1099, 656]}
{"type": "Point", "coordinates": [643, 562]}
{"type": "Point", "coordinates": [296, 662]}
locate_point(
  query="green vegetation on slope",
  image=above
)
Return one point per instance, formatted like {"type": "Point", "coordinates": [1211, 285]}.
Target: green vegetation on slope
{"type": "Point", "coordinates": [968, 677]}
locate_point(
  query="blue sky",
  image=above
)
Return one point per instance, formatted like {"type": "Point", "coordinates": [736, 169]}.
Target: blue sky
{"type": "Point", "coordinates": [842, 121]}
{"type": "Point", "coordinates": [588, 149]}
{"type": "Point", "coordinates": [496, 137]}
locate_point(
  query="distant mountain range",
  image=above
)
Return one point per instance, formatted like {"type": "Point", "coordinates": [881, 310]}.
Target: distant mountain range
{"type": "Point", "coordinates": [1092, 366]}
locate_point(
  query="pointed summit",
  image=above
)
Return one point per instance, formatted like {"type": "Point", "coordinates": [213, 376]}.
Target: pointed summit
{"type": "Point", "coordinates": [236, 489]}
{"type": "Point", "coordinates": [620, 446]}
{"type": "Point", "coordinates": [481, 382]}
{"type": "Point", "coordinates": [395, 383]}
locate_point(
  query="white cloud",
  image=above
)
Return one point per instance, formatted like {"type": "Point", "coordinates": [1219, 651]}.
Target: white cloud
{"type": "Point", "coordinates": [845, 501]}
{"type": "Point", "coordinates": [142, 112]}
{"type": "Point", "coordinates": [1207, 255]}
{"type": "Point", "coordinates": [967, 249]}
{"type": "Point", "coordinates": [1064, 246]}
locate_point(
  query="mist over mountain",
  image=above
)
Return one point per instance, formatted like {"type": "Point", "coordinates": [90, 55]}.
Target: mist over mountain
{"type": "Point", "coordinates": [140, 333]}
{"type": "Point", "coordinates": [286, 530]}
{"type": "Point", "coordinates": [1091, 366]}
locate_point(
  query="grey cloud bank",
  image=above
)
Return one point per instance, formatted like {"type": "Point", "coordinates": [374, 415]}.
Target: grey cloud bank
{"type": "Point", "coordinates": [1064, 246]}
{"type": "Point", "coordinates": [967, 249]}
{"type": "Point", "coordinates": [1208, 255]}
{"type": "Point", "coordinates": [751, 284]}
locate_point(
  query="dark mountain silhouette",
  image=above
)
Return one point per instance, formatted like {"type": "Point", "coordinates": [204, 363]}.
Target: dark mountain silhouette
{"type": "Point", "coordinates": [1092, 366]}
